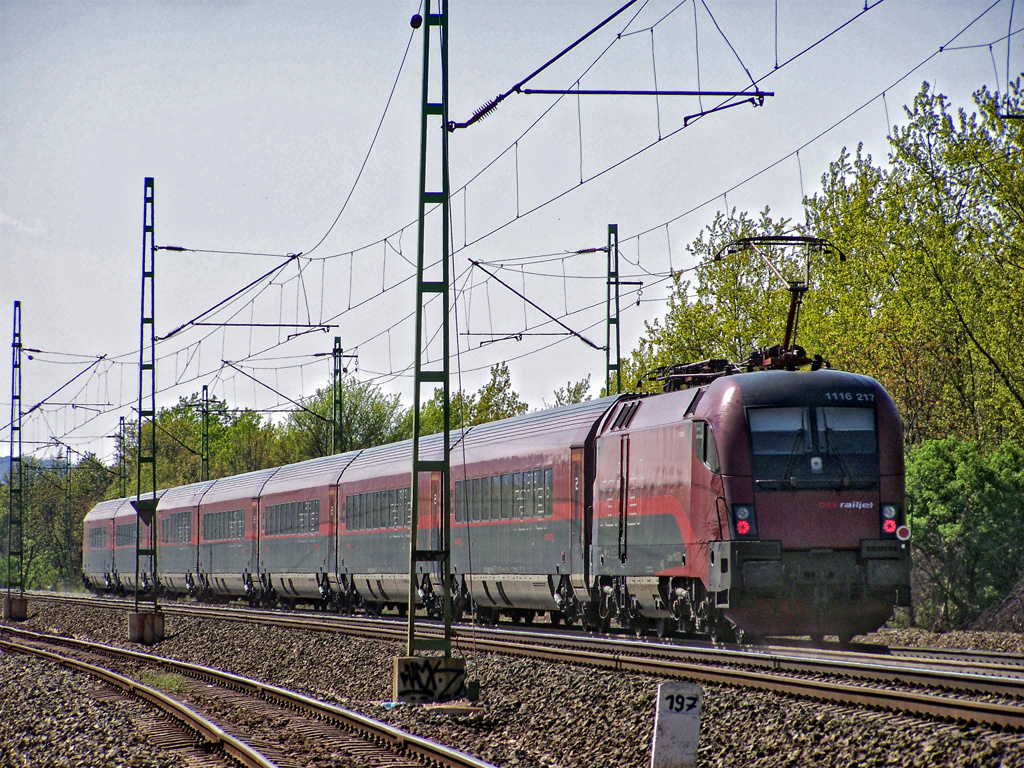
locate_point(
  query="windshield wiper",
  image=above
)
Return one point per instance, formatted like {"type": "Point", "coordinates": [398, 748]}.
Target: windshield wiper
{"type": "Point", "coordinates": [833, 451]}
{"type": "Point", "coordinates": [792, 457]}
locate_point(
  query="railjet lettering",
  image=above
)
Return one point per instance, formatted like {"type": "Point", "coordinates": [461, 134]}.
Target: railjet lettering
{"type": "Point", "coordinates": [419, 680]}
{"type": "Point", "coordinates": [846, 504]}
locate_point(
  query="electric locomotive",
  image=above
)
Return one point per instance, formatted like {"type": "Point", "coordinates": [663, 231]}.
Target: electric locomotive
{"type": "Point", "coordinates": [757, 503]}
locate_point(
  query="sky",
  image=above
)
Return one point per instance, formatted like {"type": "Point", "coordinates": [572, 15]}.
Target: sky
{"type": "Point", "coordinates": [281, 128]}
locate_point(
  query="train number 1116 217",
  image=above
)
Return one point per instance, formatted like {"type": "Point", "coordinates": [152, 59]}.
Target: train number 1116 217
{"type": "Point", "coordinates": [851, 397]}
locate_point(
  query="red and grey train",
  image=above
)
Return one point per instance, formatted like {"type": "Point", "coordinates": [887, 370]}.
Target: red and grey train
{"type": "Point", "coordinates": [759, 503]}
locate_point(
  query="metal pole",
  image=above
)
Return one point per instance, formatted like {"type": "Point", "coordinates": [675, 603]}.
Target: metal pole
{"type": "Point", "coordinates": [14, 478]}
{"type": "Point", "coordinates": [204, 442]}
{"type": "Point", "coordinates": [613, 315]}
{"type": "Point", "coordinates": [121, 476]}
{"type": "Point", "coordinates": [337, 427]}
{"type": "Point", "coordinates": [145, 489]}
{"type": "Point", "coordinates": [437, 472]}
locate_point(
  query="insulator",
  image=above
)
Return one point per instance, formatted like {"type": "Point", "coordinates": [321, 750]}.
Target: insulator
{"type": "Point", "coordinates": [485, 110]}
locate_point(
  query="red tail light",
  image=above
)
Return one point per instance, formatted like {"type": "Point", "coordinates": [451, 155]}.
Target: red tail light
{"type": "Point", "coordinates": [892, 519]}
{"type": "Point", "coordinates": [744, 521]}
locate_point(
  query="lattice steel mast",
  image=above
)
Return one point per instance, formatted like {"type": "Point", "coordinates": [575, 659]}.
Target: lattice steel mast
{"type": "Point", "coordinates": [613, 368]}
{"type": "Point", "coordinates": [436, 199]}
{"type": "Point", "coordinates": [145, 468]}
{"type": "Point", "coordinates": [15, 577]}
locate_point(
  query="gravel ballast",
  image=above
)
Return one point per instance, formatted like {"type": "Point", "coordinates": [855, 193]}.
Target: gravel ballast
{"type": "Point", "coordinates": [55, 717]}
{"type": "Point", "coordinates": [543, 715]}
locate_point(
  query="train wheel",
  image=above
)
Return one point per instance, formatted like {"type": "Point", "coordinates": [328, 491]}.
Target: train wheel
{"type": "Point", "coordinates": [817, 640]}
{"type": "Point", "coordinates": [639, 625]}
{"type": "Point", "coordinates": [663, 627]}
{"type": "Point", "coordinates": [556, 618]}
{"type": "Point", "coordinates": [528, 617]}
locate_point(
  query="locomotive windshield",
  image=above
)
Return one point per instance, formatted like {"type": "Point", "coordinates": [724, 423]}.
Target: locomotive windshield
{"type": "Point", "coordinates": [822, 447]}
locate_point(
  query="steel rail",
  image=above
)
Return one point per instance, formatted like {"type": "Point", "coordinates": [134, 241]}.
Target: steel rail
{"type": "Point", "coordinates": [394, 739]}
{"type": "Point", "coordinates": [969, 677]}
{"type": "Point", "coordinates": [958, 655]}
{"type": "Point", "coordinates": [610, 653]}
{"type": "Point", "coordinates": [209, 732]}
{"type": "Point", "coordinates": [1001, 715]}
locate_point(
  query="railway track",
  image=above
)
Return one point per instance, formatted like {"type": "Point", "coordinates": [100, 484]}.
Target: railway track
{"type": "Point", "coordinates": [279, 727]}
{"type": "Point", "coordinates": [987, 692]}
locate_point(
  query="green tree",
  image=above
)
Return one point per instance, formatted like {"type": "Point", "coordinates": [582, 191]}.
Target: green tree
{"type": "Point", "coordinates": [493, 401]}
{"type": "Point", "coordinates": [572, 393]}
{"type": "Point", "coordinates": [729, 307]}
{"type": "Point", "coordinates": [248, 443]}
{"type": "Point", "coordinates": [461, 412]}
{"type": "Point", "coordinates": [932, 300]}
{"type": "Point", "coordinates": [964, 503]}
{"type": "Point", "coordinates": [56, 496]}
{"type": "Point", "coordinates": [370, 417]}
{"type": "Point", "coordinates": [497, 399]}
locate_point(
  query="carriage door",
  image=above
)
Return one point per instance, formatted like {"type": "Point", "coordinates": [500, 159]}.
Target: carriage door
{"type": "Point", "coordinates": [193, 538]}
{"type": "Point", "coordinates": [435, 510]}
{"type": "Point", "coordinates": [331, 561]}
{"type": "Point", "coordinates": [254, 556]}
{"type": "Point", "coordinates": [623, 497]}
{"type": "Point", "coordinates": [576, 543]}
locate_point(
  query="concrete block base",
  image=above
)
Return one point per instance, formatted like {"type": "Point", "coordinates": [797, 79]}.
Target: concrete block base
{"type": "Point", "coordinates": [145, 628]}
{"type": "Point", "coordinates": [422, 680]}
{"type": "Point", "coordinates": [15, 609]}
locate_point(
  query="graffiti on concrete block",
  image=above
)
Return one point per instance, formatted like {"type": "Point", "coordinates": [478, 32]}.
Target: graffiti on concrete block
{"type": "Point", "coordinates": [419, 680]}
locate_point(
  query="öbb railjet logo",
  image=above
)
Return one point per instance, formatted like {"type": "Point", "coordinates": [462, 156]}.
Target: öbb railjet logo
{"type": "Point", "coordinates": [846, 504]}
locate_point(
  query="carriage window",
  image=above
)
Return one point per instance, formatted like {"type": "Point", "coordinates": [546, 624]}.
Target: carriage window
{"type": "Point", "coordinates": [495, 497]}
{"type": "Point", "coordinates": [223, 526]}
{"type": "Point", "coordinates": [506, 497]}
{"type": "Point", "coordinates": [549, 495]}
{"type": "Point", "coordinates": [539, 493]}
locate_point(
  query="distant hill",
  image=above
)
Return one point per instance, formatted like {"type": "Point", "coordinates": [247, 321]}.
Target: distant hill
{"type": "Point", "coordinates": [5, 466]}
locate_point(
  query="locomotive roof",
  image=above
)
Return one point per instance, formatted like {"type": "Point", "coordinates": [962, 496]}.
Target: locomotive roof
{"type": "Point", "coordinates": [790, 387]}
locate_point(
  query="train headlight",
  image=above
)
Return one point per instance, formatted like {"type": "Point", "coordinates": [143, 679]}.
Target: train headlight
{"type": "Point", "coordinates": [891, 520]}
{"type": "Point", "coordinates": [744, 521]}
